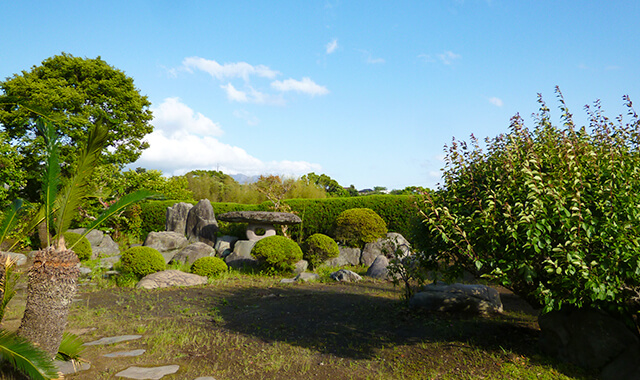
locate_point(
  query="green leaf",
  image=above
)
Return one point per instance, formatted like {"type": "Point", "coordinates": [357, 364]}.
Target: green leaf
{"type": "Point", "coordinates": [10, 218]}
{"type": "Point", "coordinates": [51, 180]}
{"type": "Point", "coordinates": [76, 188]}
{"type": "Point", "coordinates": [25, 357]}
{"type": "Point", "coordinates": [71, 347]}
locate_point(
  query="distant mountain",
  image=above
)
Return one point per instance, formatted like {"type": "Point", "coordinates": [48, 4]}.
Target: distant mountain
{"type": "Point", "coordinates": [242, 179]}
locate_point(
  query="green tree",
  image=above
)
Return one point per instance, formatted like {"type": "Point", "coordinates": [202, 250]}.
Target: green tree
{"type": "Point", "coordinates": [330, 185]}
{"type": "Point", "coordinates": [551, 213]}
{"type": "Point", "coordinates": [76, 92]}
{"type": "Point", "coordinates": [12, 178]}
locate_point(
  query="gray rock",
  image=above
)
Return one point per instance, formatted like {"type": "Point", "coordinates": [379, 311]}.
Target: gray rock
{"type": "Point", "coordinates": [170, 277]}
{"type": "Point", "coordinates": [19, 258]}
{"type": "Point", "coordinates": [378, 268]}
{"type": "Point", "coordinates": [176, 219]}
{"type": "Point", "coordinates": [345, 275]}
{"type": "Point", "coordinates": [306, 276]}
{"type": "Point", "coordinates": [121, 354]}
{"type": "Point", "coordinates": [301, 266]}
{"type": "Point", "coordinates": [241, 255]}
{"type": "Point", "coordinates": [112, 340]}
{"type": "Point", "coordinates": [95, 236]}
{"type": "Point", "coordinates": [107, 262]}
{"type": "Point", "coordinates": [107, 247]}
{"type": "Point", "coordinates": [591, 339]}
{"type": "Point", "coordinates": [152, 373]}
{"type": "Point", "coordinates": [347, 256]}
{"type": "Point", "coordinates": [479, 299]}
{"type": "Point", "coordinates": [85, 272]}
{"type": "Point", "coordinates": [393, 245]}
{"type": "Point", "coordinates": [167, 243]}
{"type": "Point", "coordinates": [288, 281]}
{"type": "Point", "coordinates": [192, 252]}
{"type": "Point", "coordinates": [201, 223]}
{"type": "Point", "coordinates": [71, 366]}
{"type": "Point", "coordinates": [260, 217]}
{"type": "Point", "coordinates": [224, 245]}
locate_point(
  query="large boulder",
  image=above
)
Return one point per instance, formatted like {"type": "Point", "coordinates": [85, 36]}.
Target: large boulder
{"type": "Point", "coordinates": [591, 339]}
{"type": "Point", "coordinates": [201, 223]}
{"type": "Point", "coordinates": [224, 245]}
{"type": "Point", "coordinates": [344, 275]}
{"type": "Point", "coordinates": [378, 268]}
{"type": "Point", "coordinates": [18, 258]}
{"type": "Point", "coordinates": [192, 252]}
{"type": "Point", "coordinates": [347, 256]}
{"type": "Point", "coordinates": [241, 255]}
{"type": "Point", "coordinates": [168, 243]}
{"type": "Point", "coordinates": [170, 277]}
{"type": "Point", "coordinates": [438, 296]}
{"type": "Point", "coordinates": [101, 244]}
{"type": "Point", "coordinates": [176, 220]}
{"type": "Point", "coordinates": [392, 245]}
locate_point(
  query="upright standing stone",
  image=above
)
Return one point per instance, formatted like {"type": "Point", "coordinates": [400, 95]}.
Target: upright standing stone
{"type": "Point", "coordinates": [177, 217]}
{"type": "Point", "coordinates": [201, 223]}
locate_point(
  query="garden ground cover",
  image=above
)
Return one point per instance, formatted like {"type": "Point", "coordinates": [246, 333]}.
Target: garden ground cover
{"type": "Point", "coordinates": [253, 327]}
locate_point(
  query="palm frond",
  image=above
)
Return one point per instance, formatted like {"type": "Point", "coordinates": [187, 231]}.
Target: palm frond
{"type": "Point", "coordinates": [118, 206]}
{"type": "Point", "coordinates": [51, 180]}
{"type": "Point", "coordinates": [10, 218]}
{"type": "Point", "coordinates": [77, 187]}
{"type": "Point", "coordinates": [8, 282]}
{"type": "Point", "coordinates": [70, 348]}
{"type": "Point", "coordinates": [25, 357]}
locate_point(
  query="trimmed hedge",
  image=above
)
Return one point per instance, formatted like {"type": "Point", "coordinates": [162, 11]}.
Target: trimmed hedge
{"type": "Point", "coordinates": [318, 215]}
{"type": "Point", "coordinates": [277, 253]}
{"type": "Point", "coordinates": [142, 261]}
{"type": "Point", "coordinates": [359, 226]}
{"type": "Point", "coordinates": [209, 266]}
{"type": "Point", "coordinates": [319, 248]}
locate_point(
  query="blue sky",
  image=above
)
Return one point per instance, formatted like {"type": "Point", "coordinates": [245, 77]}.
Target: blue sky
{"type": "Point", "coordinates": [367, 92]}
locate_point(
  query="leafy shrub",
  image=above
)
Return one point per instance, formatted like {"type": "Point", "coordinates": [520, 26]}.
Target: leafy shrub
{"type": "Point", "coordinates": [277, 253]}
{"type": "Point", "coordinates": [358, 226]}
{"type": "Point", "coordinates": [550, 213]}
{"type": "Point", "coordinates": [142, 261]}
{"type": "Point", "coordinates": [319, 248]}
{"type": "Point", "coordinates": [81, 245]}
{"type": "Point", "coordinates": [209, 266]}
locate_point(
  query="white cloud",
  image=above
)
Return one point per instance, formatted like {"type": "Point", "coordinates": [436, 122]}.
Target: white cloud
{"type": "Point", "coordinates": [173, 116]}
{"type": "Point", "coordinates": [246, 116]}
{"type": "Point", "coordinates": [305, 86]}
{"type": "Point", "coordinates": [496, 101]}
{"type": "Point", "coordinates": [228, 70]}
{"type": "Point", "coordinates": [369, 58]}
{"type": "Point", "coordinates": [176, 147]}
{"type": "Point", "coordinates": [332, 46]}
{"type": "Point", "coordinates": [235, 95]}
{"type": "Point", "coordinates": [448, 57]}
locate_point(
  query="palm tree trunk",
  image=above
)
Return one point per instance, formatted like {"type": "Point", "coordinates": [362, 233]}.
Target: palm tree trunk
{"type": "Point", "coordinates": [53, 281]}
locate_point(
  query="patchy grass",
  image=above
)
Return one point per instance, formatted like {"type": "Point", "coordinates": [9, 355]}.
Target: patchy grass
{"type": "Point", "coordinates": [252, 327]}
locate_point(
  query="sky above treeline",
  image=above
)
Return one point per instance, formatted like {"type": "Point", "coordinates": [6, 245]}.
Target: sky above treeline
{"type": "Point", "coordinates": [367, 92]}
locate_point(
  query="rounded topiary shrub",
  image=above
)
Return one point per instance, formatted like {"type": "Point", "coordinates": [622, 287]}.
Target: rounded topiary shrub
{"type": "Point", "coordinates": [358, 226]}
{"type": "Point", "coordinates": [277, 253]}
{"type": "Point", "coordinates": [209, 266]}
{"type": "Point", "coordinates": [80, 244]}
{"type": "Point", "coordinates": [319, 248]}
{"type": "Point", "coordinates": [142, 261]}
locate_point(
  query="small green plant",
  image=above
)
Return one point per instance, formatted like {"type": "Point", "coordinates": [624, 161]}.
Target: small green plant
{"type": "Point", "coordinates": [358, 226]}
{"type": "Point", "coordinates": [81, 245]}
{"type": "Point", "coordinates": [209, 266]}
{"type": "Point", "coordinates": [71, 347]}
{"type": "Point", "coordinates": [277, 253]}
{"type": "Point", "coordinates": [142, 261]}
{"type": "Point", "coordinates": [319, 248]}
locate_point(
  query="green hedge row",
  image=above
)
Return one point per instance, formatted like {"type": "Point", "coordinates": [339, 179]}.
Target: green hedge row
{"type": "Point", "coordinates": [318, 215]}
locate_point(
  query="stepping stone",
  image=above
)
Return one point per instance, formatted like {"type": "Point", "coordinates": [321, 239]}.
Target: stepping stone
{"type": "Point", "coordinates": [152, 373]}
{"type": "Point", "coordinates": [71, 366]}
{"type": "Point", "coordinates": [125, 353]}
{"type": "Point", "coordinates": [112, 340]}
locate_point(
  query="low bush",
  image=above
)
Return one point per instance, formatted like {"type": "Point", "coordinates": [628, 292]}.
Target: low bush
{"type": "Point", "coordinates": [359, 226]}
{"type": "Point", "coordinates": [80, 244]}
{"type": "Point", "coordinates": [142, 261]}
{"type": "Point", "coordinates": [209, 266]}
{"type": "Point", "coordinates": [277, 253]}
{"type": "Point", "coordinates": [319, 248]}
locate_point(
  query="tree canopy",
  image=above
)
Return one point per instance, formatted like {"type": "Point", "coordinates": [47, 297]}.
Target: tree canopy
{"type": "Point", "coordinates": [75, 92]}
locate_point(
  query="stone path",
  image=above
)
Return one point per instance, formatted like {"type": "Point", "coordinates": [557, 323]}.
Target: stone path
{"type": "Point", "coordinates": [141, 373]}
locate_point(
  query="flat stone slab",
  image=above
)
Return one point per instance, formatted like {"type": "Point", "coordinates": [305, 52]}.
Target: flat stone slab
{"type": "Point", "coordinates": [171, 277]}
{"type": "Point", "coordinates": [260, 217]}
{"type": "Point", "coordinates": [112, 340]}
{"type": "Point", "coordinates": [71, 366]}
{"type": "Point", "coordinates": [153, 373]}
{"type": "Point", "coordinates": [120, 354]}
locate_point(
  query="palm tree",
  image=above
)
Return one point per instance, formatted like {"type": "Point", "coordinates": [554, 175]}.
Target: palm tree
{"type": "Point", "coordinates": [54, 274]}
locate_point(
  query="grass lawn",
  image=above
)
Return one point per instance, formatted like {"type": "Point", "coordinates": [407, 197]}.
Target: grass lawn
{"type": "Point", "coordinates": [252, 327]}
